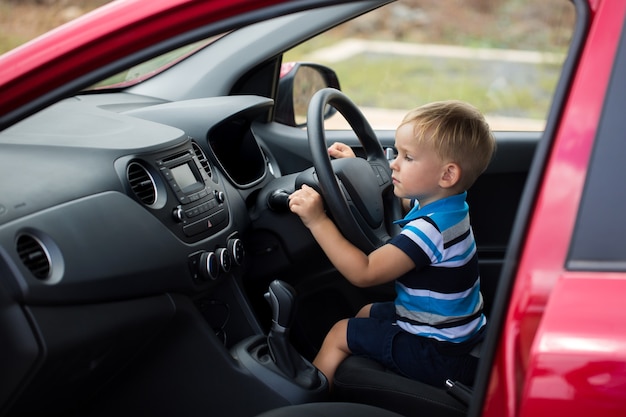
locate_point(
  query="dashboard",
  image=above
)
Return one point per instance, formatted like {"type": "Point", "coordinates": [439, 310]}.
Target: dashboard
{"type": "Point", "coordinates": [133, 195]}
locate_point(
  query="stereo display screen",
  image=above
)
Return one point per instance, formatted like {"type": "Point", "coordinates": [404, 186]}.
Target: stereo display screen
{"type": "Point", "coordinates": [184, 176]}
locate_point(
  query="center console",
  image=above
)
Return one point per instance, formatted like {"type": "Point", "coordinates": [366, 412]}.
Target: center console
{"type": "Point", "coordinates": [274, 361]}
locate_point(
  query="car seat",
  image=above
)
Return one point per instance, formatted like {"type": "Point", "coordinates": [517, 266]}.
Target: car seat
{"type": "Point", "coordinates": [328, 410]}
{"type": "Point", "coordinates": [365, 381]}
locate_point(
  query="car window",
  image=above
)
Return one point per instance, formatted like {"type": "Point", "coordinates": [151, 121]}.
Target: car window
{"type": "Point", "coordinates": [145, 70]}
{"type": "Point", "coordinates": [598, 240]}
{"type": "Point", "coordinates": [503, 57]}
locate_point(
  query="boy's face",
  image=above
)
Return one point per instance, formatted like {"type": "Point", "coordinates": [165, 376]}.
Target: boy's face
{"type": "Point", "coordinates": [417, 172]}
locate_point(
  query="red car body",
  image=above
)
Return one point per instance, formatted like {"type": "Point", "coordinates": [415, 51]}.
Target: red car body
{"type": "Point", "coordinates": [562, 351]}
{"type": "Point", "coordinates": [563, 347]}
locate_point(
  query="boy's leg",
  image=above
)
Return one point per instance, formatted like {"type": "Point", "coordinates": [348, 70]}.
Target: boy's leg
{"type": "Point", "coordinates": [380, 310]}
{"type": "Point", "coordinates": [365, 311]}
{"type": "Point", "coordinates": [335, 346]}
{"type": "Point", "coordinates": [333, 351]}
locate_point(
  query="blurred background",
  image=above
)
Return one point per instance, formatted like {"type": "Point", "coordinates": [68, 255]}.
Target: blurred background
{"type": "Point", "coordinates": [22, 20]}
{"type": "Point", "coordinates": [531, 24]}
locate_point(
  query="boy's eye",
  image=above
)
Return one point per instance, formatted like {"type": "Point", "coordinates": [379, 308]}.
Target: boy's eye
{"type": "Point", "coordinates": [408, 158]}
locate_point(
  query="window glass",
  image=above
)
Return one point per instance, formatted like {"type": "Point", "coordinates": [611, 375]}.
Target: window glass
{"type": "Point", "coordinates": [504, 57]}
{"type": "Point", "coordinates": [145, 70]}
{"type": "Point", "coordinates": [598, 240]}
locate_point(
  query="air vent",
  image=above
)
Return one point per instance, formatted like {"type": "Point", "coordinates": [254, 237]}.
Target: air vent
{"type": "Point", "coordinates": [34, 256]}
{"type": "Point", "coordinates": [202, 158]}
{"type": "Point", "coordinates": [142, 183]}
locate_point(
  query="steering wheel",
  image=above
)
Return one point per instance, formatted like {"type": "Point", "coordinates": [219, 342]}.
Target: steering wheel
{"type": "Point", "coordinates": [358, 192]}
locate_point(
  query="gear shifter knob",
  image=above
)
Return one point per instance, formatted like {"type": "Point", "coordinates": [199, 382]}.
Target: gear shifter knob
{"type": "Point", "coordinates": [281, 297]}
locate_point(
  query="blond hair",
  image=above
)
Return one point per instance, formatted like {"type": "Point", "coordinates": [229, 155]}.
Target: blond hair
{"type": "Point", "coordinates": [458, 132]}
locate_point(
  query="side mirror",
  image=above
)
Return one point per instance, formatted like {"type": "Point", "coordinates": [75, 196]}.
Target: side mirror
{"type": "Point", "coordinates": [298, 82]}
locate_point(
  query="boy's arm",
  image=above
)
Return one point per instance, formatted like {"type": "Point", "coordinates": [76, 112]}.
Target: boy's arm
{"type": "Point", "coordinates": [382, 265]}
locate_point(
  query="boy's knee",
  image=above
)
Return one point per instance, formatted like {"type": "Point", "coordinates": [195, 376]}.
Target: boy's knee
{"type": "Point", "coordinates": [364, 311]}
{"type": "Point", "coordinates": [340, 327]}
{"type": "Point", "coordinates": [339, 332]}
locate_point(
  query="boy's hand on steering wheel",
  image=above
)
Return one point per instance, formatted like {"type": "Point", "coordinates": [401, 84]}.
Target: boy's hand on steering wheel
{"type": "Point", "coordinates": [340, 150]}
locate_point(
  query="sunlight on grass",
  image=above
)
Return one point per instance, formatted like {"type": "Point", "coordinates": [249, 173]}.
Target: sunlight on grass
{"type": "Point", "coordinates": [504, 88]}
{"type": "Point", "coordinates": [23, 20]}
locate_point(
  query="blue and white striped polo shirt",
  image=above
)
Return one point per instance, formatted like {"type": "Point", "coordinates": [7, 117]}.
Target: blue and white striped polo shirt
{"type": "Point", "coordinates": [440, 298]}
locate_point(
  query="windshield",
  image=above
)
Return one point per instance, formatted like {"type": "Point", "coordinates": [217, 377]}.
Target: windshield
{"type": "Point", "coordinates": [147, 69]}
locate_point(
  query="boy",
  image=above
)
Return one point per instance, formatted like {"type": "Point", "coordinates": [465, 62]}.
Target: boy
{"type": "Point", "coordinates": [429, 331]}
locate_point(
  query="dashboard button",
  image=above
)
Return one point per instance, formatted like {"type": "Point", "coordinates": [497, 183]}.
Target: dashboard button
{"type": "Point", "coordinates": [192, 212]}
{"type": "Point", "coordinates": [205, 224]}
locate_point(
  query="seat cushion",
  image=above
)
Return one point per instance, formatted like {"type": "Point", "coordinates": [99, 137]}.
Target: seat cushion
{"type": "Point", "coordinates": [362, 380]}
{"type": "Point", "coordinates": [329, 410]}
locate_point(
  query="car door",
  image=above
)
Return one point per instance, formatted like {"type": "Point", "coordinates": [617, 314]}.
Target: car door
{"type": "Point", "coordinates": [574, 256]}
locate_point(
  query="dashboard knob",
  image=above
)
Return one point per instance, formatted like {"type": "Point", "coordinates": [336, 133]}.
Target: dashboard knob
{"type": "Point", "coordinates": [209, 266]}
{"type": "Point", "coordinates": [223, 256]}
{"type": "Point", "coordinates": [178, 214]}
{"type": "Point", "coordinates": [219, 196]}
{"type": "Point", "coordinates": [235, 247]}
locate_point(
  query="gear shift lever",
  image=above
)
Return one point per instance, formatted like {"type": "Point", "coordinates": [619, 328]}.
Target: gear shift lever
{"type": "Point", "coordinates": [281, 297]}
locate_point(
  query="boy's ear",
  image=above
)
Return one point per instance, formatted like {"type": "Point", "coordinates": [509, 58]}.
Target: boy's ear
{"type": "Point", "coordinates": [451, 175]}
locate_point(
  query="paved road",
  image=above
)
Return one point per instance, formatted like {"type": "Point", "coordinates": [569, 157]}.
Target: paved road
{"type": "Point", "coordinates": [350, 47]}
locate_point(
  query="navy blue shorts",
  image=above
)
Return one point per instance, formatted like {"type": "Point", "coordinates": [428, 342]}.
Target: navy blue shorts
{"type": "Point", "coordinates": [380, 339]}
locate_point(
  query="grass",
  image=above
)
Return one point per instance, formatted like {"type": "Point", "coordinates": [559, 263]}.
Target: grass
{"type": "Point", "coordinates": [392, 82]}
{"type": "Point", "coordinates": [497, 87]}
{"type": "Point", "coordinates": [23, 20]}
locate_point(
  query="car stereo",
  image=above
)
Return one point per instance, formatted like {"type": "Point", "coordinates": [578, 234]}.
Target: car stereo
{"type": "Point", "coordinates": [201, 207]}
{"type": "Point", "coordinates": [187, 179]}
